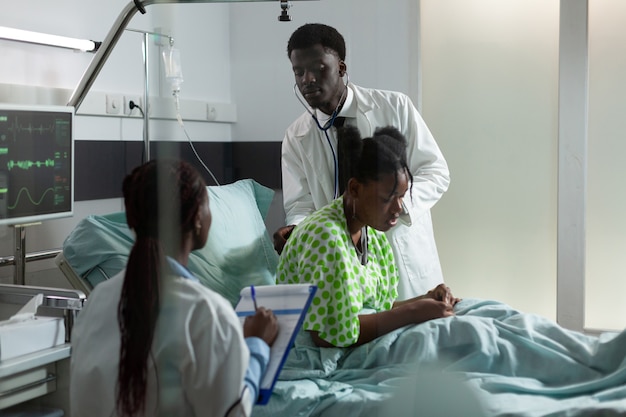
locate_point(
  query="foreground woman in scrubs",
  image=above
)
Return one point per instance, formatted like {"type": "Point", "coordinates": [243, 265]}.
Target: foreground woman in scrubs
{"type": "Point", "coordinates": [152, 341]}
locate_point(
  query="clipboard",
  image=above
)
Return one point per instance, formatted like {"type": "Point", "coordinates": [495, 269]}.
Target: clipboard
{"type": "Point", "coordinates": [290, 303]}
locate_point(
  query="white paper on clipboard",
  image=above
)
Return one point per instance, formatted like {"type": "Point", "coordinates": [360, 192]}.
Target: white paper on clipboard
{"type": "Point", "coordinates": [289, 302]}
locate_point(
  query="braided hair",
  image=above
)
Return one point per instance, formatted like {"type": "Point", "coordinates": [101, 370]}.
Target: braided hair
{"type": "Point", "coordinates": [370, 158]}
{"type": "Point", "coordinates": [154, 193]}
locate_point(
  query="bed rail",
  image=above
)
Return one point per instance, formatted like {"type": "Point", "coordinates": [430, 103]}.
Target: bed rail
{"type": "Point", "coordinates": [20, 259]}
{"type": "Point", "coordinates": [30, 257]}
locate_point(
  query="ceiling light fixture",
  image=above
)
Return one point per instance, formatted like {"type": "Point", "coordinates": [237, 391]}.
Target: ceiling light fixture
{"type": "Point", "coordinates": [46, 39]}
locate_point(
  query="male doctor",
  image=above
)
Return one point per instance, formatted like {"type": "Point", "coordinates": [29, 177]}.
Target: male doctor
{"type": "Point", "coordinates": [309, 152]}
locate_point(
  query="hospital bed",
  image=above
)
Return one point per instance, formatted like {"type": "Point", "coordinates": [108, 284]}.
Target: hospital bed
{"type": "Point", "coordinates": [488, 360]}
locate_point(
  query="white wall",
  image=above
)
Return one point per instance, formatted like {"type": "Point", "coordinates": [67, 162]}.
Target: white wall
{"type": "Point", "coordinates": [378, 55]}
{"type": "Point", "coordinates": [200, 32]}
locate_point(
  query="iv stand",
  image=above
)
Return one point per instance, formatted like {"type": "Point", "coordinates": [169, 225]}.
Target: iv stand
{"type": "Point", "coordinates": [146, 87]}
{"type": "Point", "coordinates": [114, 34]}
{"type": "Point", "coordinates": [19, 274]}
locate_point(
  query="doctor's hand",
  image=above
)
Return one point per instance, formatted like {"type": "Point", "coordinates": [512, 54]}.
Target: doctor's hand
{"type": "Point", "coordinates": [281, 236]}
{"type": "Point", "coordinates": [262, 324]}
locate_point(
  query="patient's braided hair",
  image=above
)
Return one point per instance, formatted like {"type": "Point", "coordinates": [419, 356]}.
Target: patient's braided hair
{"type": "Point", "coordinates": [154, 194]}
{"type": "Point", "coordinates": [370, 158]}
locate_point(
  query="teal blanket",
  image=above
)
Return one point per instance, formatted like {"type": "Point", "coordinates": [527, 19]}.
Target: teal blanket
{"type": "Point", "coordinates": [488, 360]}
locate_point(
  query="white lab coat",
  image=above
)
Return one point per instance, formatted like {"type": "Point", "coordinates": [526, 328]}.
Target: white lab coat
{"type": "Point", "coordinates": [308, 180]}
{"type": "Point", "coordinates": [198, 346]}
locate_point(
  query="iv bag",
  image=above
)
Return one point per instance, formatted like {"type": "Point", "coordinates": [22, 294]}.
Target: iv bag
{"type": "Point", "coordinates": [173, 68]}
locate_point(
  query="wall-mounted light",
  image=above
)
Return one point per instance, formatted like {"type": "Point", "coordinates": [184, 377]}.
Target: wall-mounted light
{"type": "Point", "coordinates": [46, 39]}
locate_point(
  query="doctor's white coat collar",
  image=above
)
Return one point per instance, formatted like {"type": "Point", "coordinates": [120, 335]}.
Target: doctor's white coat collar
{"type": "Point", "coordinates": [357, 104]}
{"type": "Point", "coordinates": [347, 110]}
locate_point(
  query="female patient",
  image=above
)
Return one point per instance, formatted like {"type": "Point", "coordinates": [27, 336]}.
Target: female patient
{"type": "Point", "coordinates": [152, 340]}
{"type": "Point", "coordinates": [341, 248]}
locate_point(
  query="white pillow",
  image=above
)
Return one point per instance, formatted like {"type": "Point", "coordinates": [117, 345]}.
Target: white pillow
{"type": "Point", "coordinates": [238, 253]}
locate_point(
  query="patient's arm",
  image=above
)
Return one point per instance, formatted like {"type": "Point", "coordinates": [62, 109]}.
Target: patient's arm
{"type": "Point", "coordinates": [378, 324]}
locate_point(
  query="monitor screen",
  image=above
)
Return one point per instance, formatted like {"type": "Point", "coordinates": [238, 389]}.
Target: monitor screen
{"type": "Point", "coordinates": [36, 163]}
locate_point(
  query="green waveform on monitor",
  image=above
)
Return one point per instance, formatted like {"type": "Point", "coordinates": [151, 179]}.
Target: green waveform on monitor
{"type": "Point", "coordinates": [25, 190]}
{"type": "Point", "coordinates": [29, 164]}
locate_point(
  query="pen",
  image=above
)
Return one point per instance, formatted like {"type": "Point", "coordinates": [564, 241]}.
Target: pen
{"type": "Point", "coordinates": [253, 295]}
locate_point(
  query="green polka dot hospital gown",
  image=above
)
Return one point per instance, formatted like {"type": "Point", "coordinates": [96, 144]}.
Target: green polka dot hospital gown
{"type": "Point", "coordinates": [320, 252]}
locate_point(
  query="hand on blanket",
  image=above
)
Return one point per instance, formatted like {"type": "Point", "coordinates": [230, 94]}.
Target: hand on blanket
{"type": "Point", "coordinates": [263, 325]}
{"type": "Point", "coordinates": [442, 293]}
{"type": "Point", "coordinates": [428, 309]}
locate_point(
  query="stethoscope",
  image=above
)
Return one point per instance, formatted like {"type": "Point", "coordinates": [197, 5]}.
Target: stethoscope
{"type": "Point", "coordinates": [326, 126]}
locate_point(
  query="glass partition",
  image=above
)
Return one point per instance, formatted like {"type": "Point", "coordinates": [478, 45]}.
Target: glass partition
{"type": "Point", "coordinates": [490, 97]}
{"type": "Point", "coordinates": [605, 282]}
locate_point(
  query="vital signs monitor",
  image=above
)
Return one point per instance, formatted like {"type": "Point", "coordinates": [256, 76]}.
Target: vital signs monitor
{"type": "Point", "coordinates": [36, 163]}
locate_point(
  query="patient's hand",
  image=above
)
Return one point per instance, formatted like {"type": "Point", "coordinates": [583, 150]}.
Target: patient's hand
{"type": "Point", "coordinates": [263, 325]}
{"type": "Point", "coordinates": [429, 309]}
{"type": "Point", "coordinates": [442, 293]}
{"type": "Point", "coordinates": [281, 236]}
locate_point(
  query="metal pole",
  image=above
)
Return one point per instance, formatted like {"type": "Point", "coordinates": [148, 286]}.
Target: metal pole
{"type": "Point", "coordinates": [19, 276]}
{"type": "Point", "coordinates": [33, 256]}
{"type": "Point", "coordinates": [89, 76]}
{"type": "Point", "coordinates": [146, 95]}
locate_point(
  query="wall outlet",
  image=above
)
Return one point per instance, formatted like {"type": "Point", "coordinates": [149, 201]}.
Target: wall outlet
{"type": "Point", "coordinates": [128, 111]}
{"type": "Point", "coordinates": [211, 113]}
{"type": "Point", "coordinates": [114, 104]}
